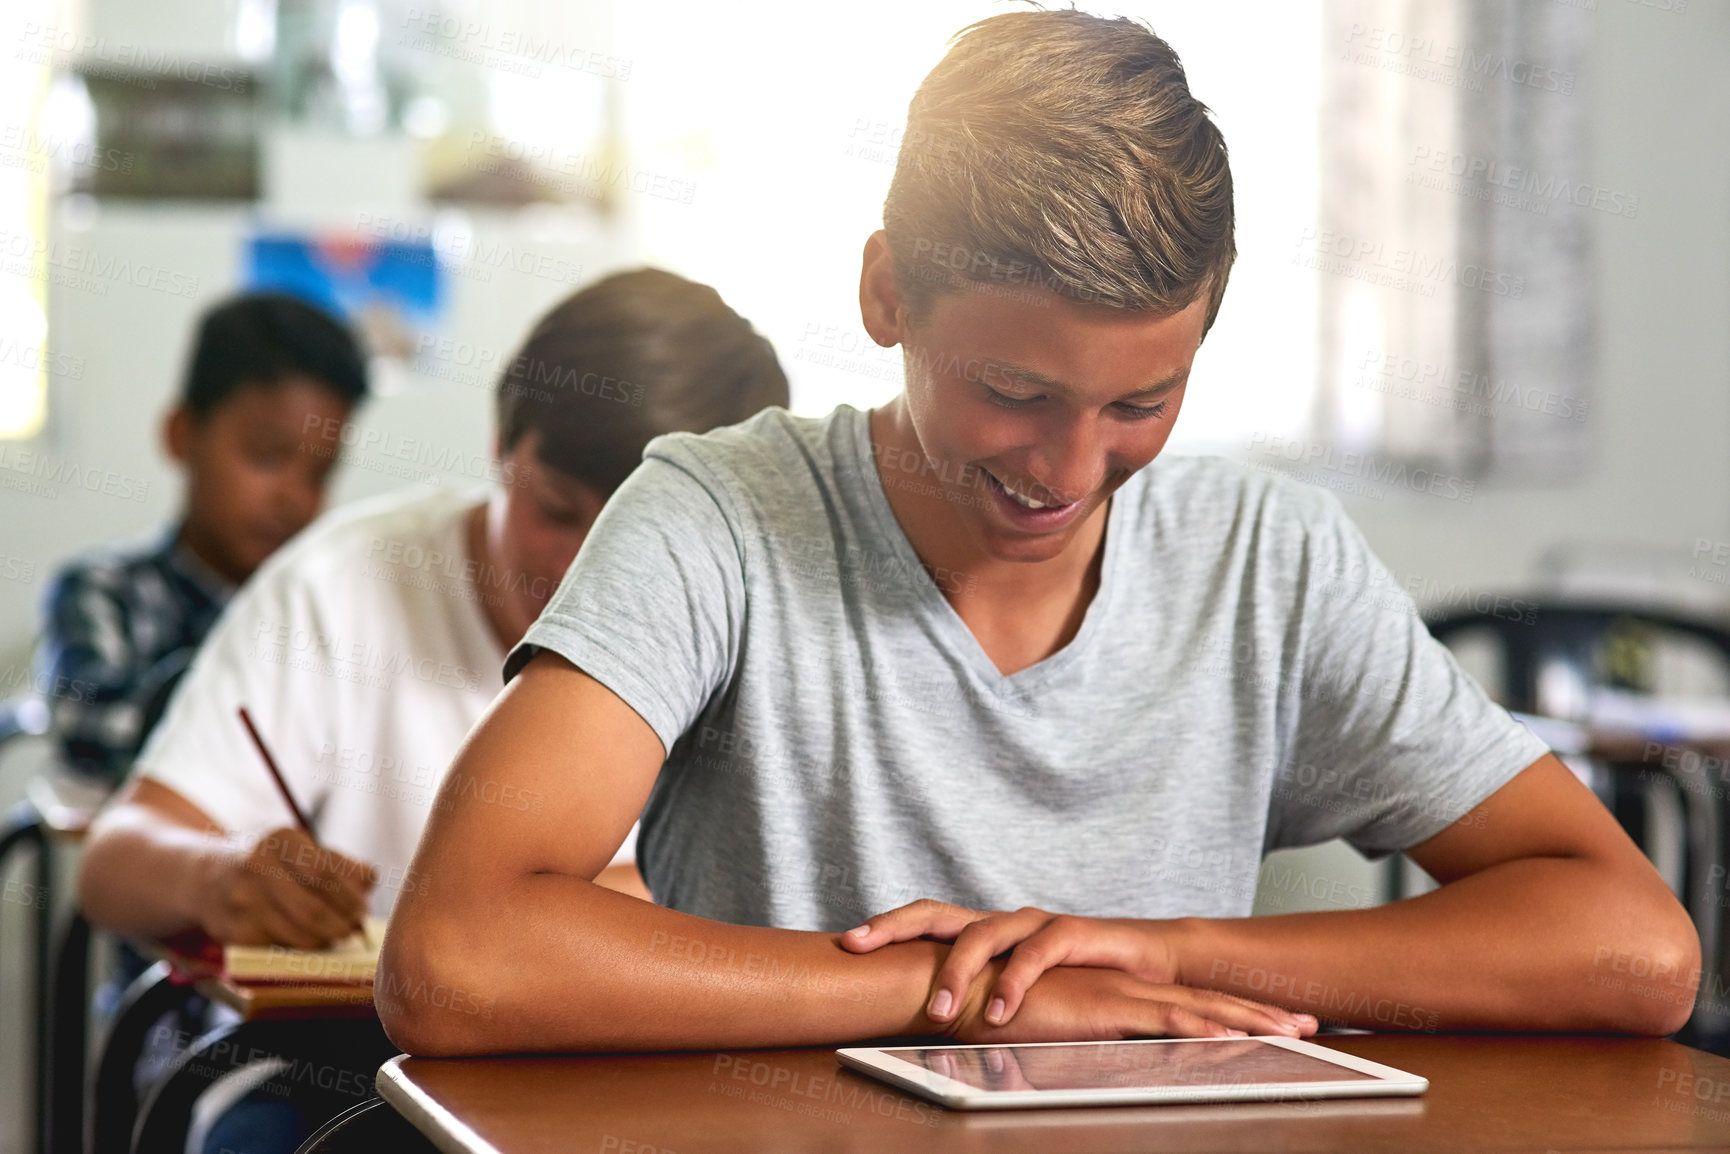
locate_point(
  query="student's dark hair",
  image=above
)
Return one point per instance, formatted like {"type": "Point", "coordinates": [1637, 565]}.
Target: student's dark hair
{"type": "Point", "coordinates": [626, 359]}
{"type": "Point", "coordinates": [263, 338]}
{"type": "Point", "coordinates": [1065, 151]}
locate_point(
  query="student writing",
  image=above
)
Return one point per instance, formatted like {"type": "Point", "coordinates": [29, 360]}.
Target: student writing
{"type": "Point", "coordinates": [367, 650]}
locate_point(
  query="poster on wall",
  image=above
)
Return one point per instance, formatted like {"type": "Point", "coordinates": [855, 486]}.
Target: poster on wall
{"type": "Point", "coordinates": [392, 292]}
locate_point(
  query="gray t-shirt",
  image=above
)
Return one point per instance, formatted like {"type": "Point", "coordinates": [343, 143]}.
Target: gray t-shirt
{"type": "Point", "coordinates": [1247, 677]}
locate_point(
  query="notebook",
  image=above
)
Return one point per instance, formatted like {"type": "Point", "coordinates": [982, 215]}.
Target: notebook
{"type": "Point", "coordinates": [350, 960]}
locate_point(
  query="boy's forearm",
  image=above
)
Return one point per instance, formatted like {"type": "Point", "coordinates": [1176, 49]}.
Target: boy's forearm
{"type": "Point", "coordinates": [141, 876]}
{"type": "Point", "coordinates": [1526, 945]}
{"type": "Point", "coordinates": [555, 963]}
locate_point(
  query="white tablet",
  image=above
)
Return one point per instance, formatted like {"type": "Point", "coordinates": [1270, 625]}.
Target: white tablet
{"type": "Point", "coordinates": [1157, 1070]}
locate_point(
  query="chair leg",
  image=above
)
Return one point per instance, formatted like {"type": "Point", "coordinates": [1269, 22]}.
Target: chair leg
{"type": "Point", "coordinates": [24, 826]}
{"type": "Point", "coordinates": [1702, 874]}
{"type": "Point", "coordinates": [114, 1098]}
{"type": "Point", "coordinates": [67, 1041]}
{"type": "Point", "coordinates": [366, 1129]}
{"type": "Point", "coordinates": [1633, 786]}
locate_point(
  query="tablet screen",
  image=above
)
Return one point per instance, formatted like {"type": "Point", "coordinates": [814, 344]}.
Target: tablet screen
{"type": "Point", "coordinates": [1126, 1065]}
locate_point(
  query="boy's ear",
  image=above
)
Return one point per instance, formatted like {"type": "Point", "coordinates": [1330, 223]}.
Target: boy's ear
{"type": "Point", "coordinates": [879, 295]}
{"type": "Point", "coordinates": [177, 433]}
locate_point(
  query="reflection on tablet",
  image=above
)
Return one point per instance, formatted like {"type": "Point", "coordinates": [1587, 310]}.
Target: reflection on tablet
{"type": "Point", "coordinates": [1126, 1066]}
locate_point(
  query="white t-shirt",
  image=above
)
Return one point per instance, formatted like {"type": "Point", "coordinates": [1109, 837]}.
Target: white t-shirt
{"type": "Point", "coordinates": [363, 654]}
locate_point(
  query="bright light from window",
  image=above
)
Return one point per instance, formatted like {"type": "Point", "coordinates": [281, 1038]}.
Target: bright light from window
{"type": "Point", "coordinates": [24, 352]}
{"type": "Point", "coordinates": [23, 360]}
{"type": "Point", "coordinates": [353, 61]}
{"type": "Point", "coordinates": [790, 134]}
{"type": "Point", "coordinates": [254, 29]}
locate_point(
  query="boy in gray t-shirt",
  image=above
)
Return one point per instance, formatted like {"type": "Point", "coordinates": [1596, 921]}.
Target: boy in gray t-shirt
{"type": "Point", "coordinates": [839, 743]}
{"type": "Point", "coordinates": [979, 651]}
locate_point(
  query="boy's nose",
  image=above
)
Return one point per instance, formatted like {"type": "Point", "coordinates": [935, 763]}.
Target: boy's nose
{"type": "Point", "coordinates": [1069, 469]}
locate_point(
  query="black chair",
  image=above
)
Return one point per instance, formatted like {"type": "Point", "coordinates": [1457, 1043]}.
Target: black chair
{"type": "Point", "coordinates": [68, 1060]}
{"type": "Point", "coordinates": [1602, 645]}
{"type": "Point", "coordinates": [367, 1129]}
{"type": "Point", "coordinates": [1549, 655]}
{"type": "Point", "coordinates": [58, 984]}
{"type": "Point", "coordinates": [114, 1097]}
{"type": "Point", "coordinates": [23, 828]}
{"type": "Point", "coordinates": [329, 1065]}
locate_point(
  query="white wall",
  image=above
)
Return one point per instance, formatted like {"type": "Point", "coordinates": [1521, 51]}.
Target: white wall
{"type": "Point", "coordinates": [1660, 477]}
{"type": "Point", "coordinates": [131, 343]}
{"type": "Point", "coordinates": [1660, 110]}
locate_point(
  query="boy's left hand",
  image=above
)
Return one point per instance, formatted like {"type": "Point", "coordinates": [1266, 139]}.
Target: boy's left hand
{"type": "Point", "coordinates": [1040, 940]}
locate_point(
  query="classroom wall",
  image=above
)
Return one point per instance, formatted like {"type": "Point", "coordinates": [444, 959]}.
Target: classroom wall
{"type": "Point", "coordinates": [1659, 477]}
{"type": "Point", "coordinates": [129, 345]}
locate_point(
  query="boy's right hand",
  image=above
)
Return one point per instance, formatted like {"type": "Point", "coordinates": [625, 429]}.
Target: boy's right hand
{"type": "Point", "coordinates": [1089, 1003]}
{"type": "Point", "coordinates": [286, 891]}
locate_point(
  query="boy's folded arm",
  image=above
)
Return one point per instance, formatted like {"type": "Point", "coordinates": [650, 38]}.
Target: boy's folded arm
{"type": "Point", "coordinates": [1547, 918]}
{"type": "Point", "coordinates": [504, 943]}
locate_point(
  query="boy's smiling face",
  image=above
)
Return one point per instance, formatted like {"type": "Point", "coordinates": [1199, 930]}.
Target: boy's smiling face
{"type": "Point", "coordinates": [1018, 392]}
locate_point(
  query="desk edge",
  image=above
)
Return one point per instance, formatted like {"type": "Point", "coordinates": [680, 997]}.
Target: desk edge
{"type": "Point", "coordinates": [442, 1128]}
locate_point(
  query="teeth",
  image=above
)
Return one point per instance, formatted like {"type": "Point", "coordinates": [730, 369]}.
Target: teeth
{"type": "Point", "coordinates": [1029, 502]}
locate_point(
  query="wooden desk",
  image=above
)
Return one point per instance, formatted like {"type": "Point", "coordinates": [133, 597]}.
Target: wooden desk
{"type": "Point", "coordinates": [1486, 1093]}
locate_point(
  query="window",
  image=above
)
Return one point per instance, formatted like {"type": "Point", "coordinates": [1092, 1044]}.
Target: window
{"type": "Point", "coordinates": [1453, 247]}
{"type": "Point", "coordinates": [29, 153]}
{"type": "Point", "coordinates": [789, 138]}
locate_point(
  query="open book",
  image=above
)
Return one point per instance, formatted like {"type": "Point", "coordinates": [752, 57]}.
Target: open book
{"type": "Point", "coordinates": [350, 960]}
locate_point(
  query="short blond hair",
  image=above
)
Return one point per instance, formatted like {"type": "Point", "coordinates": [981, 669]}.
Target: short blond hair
{"type": "Point", "coordinates": [1063, 151]}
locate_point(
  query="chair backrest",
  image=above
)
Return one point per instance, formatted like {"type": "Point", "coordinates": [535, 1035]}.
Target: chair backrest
{"type": "Point", "coordinates": [1550, 650]}
{"type": "Point", "coordinates": [1554, 656]}
{"type": "Point", "coordinates": [366, 1129]}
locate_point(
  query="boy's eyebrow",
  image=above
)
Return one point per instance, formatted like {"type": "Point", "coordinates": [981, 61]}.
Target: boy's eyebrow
{"type": "Point", "coordinates": [1040, 380]}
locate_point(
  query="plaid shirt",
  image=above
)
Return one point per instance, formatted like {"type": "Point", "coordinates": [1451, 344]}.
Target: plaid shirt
{"type": "Point", "coordinates": [112, 619]}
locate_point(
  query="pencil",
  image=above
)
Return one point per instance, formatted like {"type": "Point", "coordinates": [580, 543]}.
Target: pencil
{"type": "Point", "coordinates": [282, 787]}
